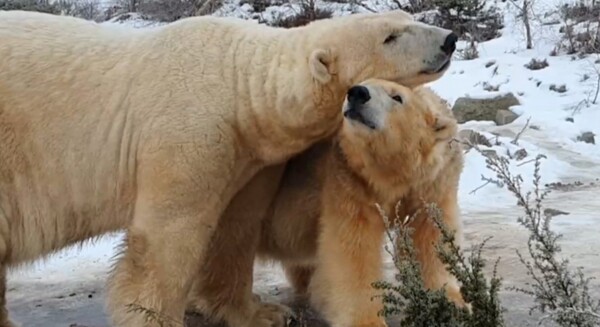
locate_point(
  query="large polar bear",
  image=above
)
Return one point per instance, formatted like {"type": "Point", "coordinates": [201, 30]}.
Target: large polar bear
{"type": "Point", "coordinates": [156, 130]}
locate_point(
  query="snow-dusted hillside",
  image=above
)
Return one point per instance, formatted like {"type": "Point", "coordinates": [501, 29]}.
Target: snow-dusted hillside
{"type": "Point", "coordinates": [68, 288]}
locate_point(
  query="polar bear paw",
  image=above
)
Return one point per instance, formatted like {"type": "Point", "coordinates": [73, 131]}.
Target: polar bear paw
{"type": "Point", "coordinates": [271, 315]}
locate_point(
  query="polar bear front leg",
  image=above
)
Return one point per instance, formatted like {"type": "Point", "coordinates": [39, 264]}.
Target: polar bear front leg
{"type": "Point", "coordinates": [426, 236]}
{"type": "Point", "coordinates": [180, 197]}
{"type": "Point", "coordinates": [223, 287]}
{"type": "Point", "coordinates": [349, 260]}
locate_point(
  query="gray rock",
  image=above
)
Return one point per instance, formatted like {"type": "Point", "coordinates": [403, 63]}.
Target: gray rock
{"type": "Point", "coordinates": [466, 109]}
{"type": "Point", "coordinates": [536, 64]}
{"type": "Point", "coordinates": [558, 88]}
{"type": "Point", "coordinates": [520, 154]}
{"type": "Point", "coordinates": [504, 117]}
{"type": "Point", "coordinates": [587, 137]}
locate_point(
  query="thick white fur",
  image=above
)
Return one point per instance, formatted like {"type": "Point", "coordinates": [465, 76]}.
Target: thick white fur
{"type": "Point", "coordinates": [156, 130]}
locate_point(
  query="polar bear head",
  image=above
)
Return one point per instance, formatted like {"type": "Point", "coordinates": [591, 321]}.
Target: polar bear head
{"type": "Point", "coordinates": [389, 46]}
{"type": "Point", "coordinates": [397, 133]}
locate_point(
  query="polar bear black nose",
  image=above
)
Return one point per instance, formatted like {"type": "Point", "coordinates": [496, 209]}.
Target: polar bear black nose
{"type": "Point", "coordinates": [358, 95]}
{"type": "Point", "coordinates": [450, 43]}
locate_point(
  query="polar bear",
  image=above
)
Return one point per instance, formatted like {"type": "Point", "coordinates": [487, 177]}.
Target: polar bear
{"type": "Point", "coordinates": [155, 130]}
{"type": "Point", "coordinates": [395, 144]}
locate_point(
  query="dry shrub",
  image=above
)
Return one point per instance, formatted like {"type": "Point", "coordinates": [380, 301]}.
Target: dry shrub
{"type": "Point", "coordinates": [561, 293]}
{"type": "Point", "coordinates": [262, 5]}
{"type": "Point", "coordinates": [308, 12]}
{"type": "Point", "coordinates": [422, 307]}
{"type": "Point", "coordinates": [172, 10]}
{"type": "Point", "coordinates": [580, 29]}
{"type": "Point", "coordinates": [469, 17]}
{"type": "Point", "coordinates": [44, 6]}
{"type": "Point", "coordinates": [86, 9]}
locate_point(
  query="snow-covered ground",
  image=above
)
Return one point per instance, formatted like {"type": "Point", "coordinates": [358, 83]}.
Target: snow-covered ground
{"type": "Point", "coordinates": [68, 287]}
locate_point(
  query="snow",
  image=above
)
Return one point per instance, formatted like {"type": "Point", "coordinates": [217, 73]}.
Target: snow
{"type": "Point", "coordinates": [33, 290]}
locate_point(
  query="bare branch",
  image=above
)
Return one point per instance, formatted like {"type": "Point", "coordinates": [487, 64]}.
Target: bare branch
{"type": "Point", "coordinates": [515, 141]}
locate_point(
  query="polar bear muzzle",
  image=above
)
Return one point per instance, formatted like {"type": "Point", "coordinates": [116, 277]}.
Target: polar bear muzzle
{"type": "Point", "coordinates": [355, 108]}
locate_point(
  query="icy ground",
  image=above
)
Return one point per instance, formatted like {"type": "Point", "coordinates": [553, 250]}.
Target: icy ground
{"type": "Point", "coordinates": [69, 287]}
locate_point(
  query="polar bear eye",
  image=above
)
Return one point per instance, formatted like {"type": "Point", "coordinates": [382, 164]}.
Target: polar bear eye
{"type": "Point", "coordinates": [397, 98]}
{"type": "Point", "coordinates": [390, 38]}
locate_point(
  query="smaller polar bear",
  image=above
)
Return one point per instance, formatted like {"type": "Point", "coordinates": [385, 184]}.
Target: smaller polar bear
{"type": "Point", "coordinates": [394, 145]}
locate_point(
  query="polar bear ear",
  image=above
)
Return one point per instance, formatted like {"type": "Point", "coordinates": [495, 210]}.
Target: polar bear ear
{"type": "Point", "coordinates": [444, 126]}
{"type": "Point", "coordinates": [320, 63]}
{"type": "Point", "coordinates": [441, 122]}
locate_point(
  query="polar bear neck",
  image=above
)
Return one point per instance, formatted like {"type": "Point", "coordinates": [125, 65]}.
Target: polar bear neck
{"type": "Point", "coordinates": [384, 182]}
{"type": "Point", "coordinates": [289, 110]}
{"type": "Point", "coordinates": [258, 77]}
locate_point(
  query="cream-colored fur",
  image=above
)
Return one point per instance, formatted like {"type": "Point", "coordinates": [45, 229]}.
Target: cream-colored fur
{"type": "Point", "coordinates": [156, 130]}
{"type": "Point", "coordinates": [226, 283]}
{"type": "Point", "coordinates": [324, 226]}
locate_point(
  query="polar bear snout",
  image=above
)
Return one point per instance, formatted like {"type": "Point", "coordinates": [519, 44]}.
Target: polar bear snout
{"type": "Point", "coordinates": [358, 114]}
{"type": "Point", "coordinates": [356, 108]}
{"type": "Point", "coordinates": [442, 60]}
{"type": "Point", "coordinates": [449, 45]}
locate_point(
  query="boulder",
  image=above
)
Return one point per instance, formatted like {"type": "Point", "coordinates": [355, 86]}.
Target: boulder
{"type": "Point", "coordinates": [504, 117]}
{"type": "Point", "coordinates": [520, 154]}
{"type": "Point", "coordinates": [466, 109]}
{"type": "Point", "coordinates": [587, 137]}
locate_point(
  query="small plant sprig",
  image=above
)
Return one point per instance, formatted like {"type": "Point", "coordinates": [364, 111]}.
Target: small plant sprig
{"type": "Point", "coordinates": [423, 307]}
{"type": "Point", "coordinates": [560, 293]}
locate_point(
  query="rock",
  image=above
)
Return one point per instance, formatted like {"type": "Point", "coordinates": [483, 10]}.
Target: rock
{"type": "Point", "coordinates": [466, 109]}
{"type": "Point", "coordinates": [472, 137]}
{"type": "Point", "coordinates": [490, 88]}
{"type": "Point", "coordinates": [570, 119]}
{"type": "Point", "coordinates": [504, 117]}
{"type": "Point", "coordinates": [520, 154]}
{"type": "Point", "coordinates": [490, 63]}
{"type": "Point", "coordinates": [536, 64]}
{"type": "Point", "coordinates": [465, 134]}
{"type": "Point", "coordinates": [587, 137]}
{"type": "Point", "coordinates": [558, 88]}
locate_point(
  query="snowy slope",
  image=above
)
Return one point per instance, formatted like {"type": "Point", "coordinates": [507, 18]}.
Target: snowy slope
{"type": "Point", "coordinates": [40, 295]}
